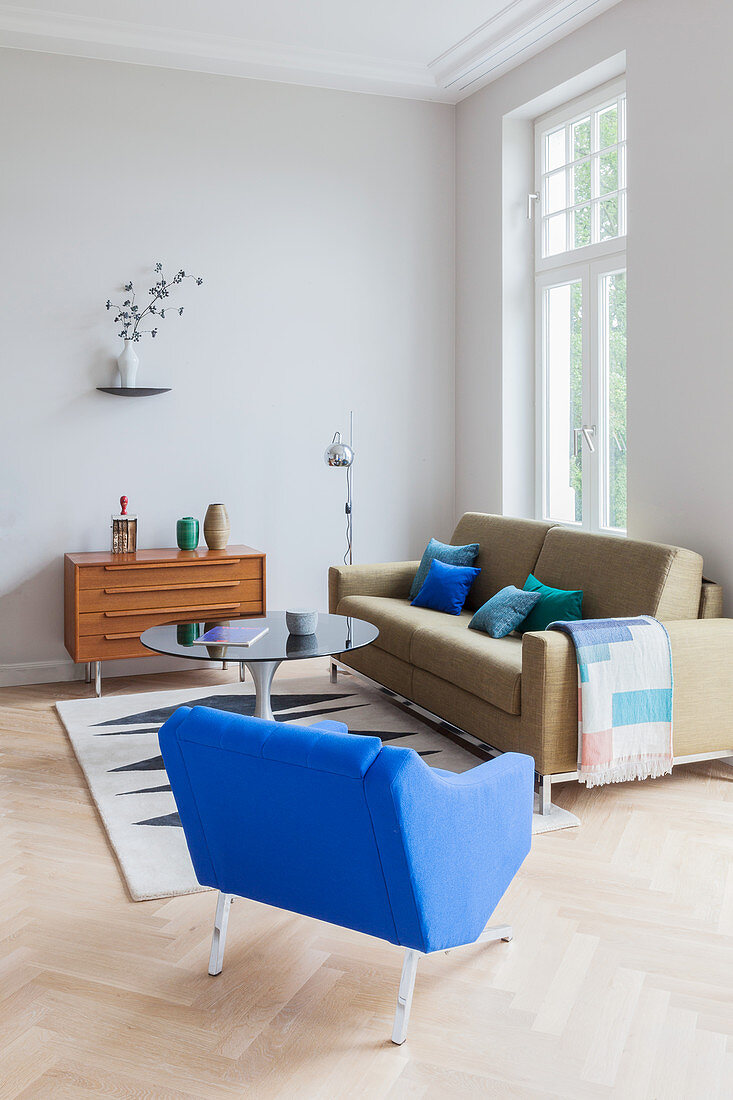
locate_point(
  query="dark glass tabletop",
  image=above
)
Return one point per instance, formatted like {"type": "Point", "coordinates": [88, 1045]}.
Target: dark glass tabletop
{"type": "Point", "coordinates": [334, 634]}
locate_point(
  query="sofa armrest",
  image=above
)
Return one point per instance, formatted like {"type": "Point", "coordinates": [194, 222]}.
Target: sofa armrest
{"type": "Point", "coordinates": [702, 664]}
{"type": "Point", "coordinates": [392, 578]}
{"type": "Point", "coordinates": [549, 699]}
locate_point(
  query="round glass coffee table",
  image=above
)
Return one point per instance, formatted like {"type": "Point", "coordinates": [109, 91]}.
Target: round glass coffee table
{"type": "Point", "coordinates": [334, 634]}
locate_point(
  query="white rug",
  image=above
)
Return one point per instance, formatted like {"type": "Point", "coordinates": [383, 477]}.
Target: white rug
{"type": "Point", "coordinates": [115, 739]}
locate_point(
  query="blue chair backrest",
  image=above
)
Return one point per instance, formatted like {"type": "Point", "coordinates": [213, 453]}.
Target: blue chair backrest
{"type": "Point", "coordinates": [277, 813]}
{"type": "Point", "coordinates": [333, 825]}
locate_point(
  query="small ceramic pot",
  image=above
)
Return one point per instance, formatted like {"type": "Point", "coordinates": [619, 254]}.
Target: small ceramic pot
{"type": "Point", "coordinates": [216, 527]}
{"type": "Point", "coordinates": [301, 621]}
{"type": "Point", "coordinates": [187, 533]}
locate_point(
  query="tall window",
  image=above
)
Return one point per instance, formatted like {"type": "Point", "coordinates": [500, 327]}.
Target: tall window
{"type": "Point", "coordinates": [580, 266]}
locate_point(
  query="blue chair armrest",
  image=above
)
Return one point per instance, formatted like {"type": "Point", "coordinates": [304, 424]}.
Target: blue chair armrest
{"type": "Point", "coordinates": [458, 840]}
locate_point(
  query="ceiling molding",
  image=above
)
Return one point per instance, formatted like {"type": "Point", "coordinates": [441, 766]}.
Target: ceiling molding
{"type": "Point", "coordinates": [115, 40]}
{"type": "Point", "coordinates": [521, 29]}
{"type": "Point", "coordinates": [516, 33]}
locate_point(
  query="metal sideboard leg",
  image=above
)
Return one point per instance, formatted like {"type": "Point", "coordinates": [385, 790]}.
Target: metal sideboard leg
{"type": "Point", "coordinates": [98, 678]}
{"type": "Point", "coordinates": [87, 672]}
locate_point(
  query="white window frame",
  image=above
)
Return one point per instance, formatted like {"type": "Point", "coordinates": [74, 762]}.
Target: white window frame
{"type": "Point", "coordinates": [587, 265]}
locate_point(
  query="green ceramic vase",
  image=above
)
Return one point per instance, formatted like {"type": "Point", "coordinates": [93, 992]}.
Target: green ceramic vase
{"type": "Point", "coordinates": [187, 533]}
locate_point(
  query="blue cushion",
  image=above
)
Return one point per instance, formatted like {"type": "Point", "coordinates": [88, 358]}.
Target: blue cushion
{"type": "Point", "coordinates": [555, 604]}
{"type": "Point", "coordinates": [446, 587]}
{"type": "Point", "coordinates": [443, 551]}
{"type": "Point", "coordinates": [504, 612]}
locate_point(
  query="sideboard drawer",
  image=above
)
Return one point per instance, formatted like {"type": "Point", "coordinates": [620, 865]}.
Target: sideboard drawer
{"type": "Point", "coordinates": [98, 647]}
{"type": "Point", "coordinates": [126, 621]}
{"type": "Point", "coordinates": [154, 575]}
{"type": "Point", "coordinates": [173, 593]}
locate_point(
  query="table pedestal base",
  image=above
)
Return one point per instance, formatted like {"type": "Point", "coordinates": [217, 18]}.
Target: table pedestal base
{"type": "Point", "coordinates": [262, 674]}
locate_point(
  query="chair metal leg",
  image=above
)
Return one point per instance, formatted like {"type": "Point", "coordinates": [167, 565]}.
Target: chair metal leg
{"type": "Point", "coordinates": [545, 793]}
{"type": "Point", "coordinates": [242, 667]}
{"type": "Point", "coordinates": [498, 932]}
{"type": "Point", "coordinates": [334, 672]}
{"type": "Point", "coordinates": [404, 996]}
{"type": "Point", "coordinates": [218, 940]}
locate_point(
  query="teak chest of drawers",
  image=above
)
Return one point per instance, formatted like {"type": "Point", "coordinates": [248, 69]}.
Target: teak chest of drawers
{"type": "Point", "coordinates": [110, 599]}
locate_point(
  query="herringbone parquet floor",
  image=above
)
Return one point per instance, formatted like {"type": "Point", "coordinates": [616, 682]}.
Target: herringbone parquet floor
{"type": "Point", "coordinates": [619, 981]}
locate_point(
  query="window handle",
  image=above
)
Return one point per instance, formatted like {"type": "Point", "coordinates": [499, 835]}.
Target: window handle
{"type": "Point", "coordinates": [588, 432]}
{"type": "Point", "coordinates": [532, 198]}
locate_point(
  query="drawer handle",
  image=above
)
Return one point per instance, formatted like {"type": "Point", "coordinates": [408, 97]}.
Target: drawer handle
{"type": "Point", "coordinates": [171, 564]}
{"type": "Point", "coordinates": [202, 611]}
{"type": "Point", "coordinates": [114, 637]}
{"type": "Point", "coordinates": [171, 587]}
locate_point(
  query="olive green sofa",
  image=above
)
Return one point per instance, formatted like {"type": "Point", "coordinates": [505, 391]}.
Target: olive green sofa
{"type": "Point", "coordinates": [520, 693]}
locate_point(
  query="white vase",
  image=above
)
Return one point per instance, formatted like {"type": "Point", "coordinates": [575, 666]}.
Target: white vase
{"type": "Point", "coordinates": [127, 363]}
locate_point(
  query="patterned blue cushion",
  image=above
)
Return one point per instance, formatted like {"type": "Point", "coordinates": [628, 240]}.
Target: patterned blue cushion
{"type": "Point", "coordinates": [504, 612]}
{"type": "Point", "coordinates": [446, 587]}
{"type": "Point", "coordinates": [443, 551]}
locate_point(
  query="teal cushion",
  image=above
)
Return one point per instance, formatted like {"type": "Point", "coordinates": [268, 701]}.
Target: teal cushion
{"type": "Point", "coordinates": [504, 612]}
{"type": "Point", "coordinates": [443, 551]}
{"type": "Point", "coordinates": [555, 605]}
{"type": "Point", "coordinates": [446, 587]}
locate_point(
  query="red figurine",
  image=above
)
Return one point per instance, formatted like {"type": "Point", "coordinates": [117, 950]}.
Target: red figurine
{"type": "Point", "coordinates": [123, 505]}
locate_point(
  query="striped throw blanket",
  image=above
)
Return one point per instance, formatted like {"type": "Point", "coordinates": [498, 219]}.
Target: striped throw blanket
{"type": "Point", "coordinates": [624, 698]}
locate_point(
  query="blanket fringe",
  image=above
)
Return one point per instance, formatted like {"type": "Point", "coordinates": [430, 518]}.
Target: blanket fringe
{"type": "Point", "coordinates": [626, 771]}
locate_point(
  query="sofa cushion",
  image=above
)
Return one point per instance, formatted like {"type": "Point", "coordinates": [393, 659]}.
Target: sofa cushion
{"type": "Point", "coordinates": [504, 612]}
{"type": "Point", "coordinates": [446, 587]}
{"type": "Point", "coordinates": [490, 668]}
{"type": "Point", "coordinates": [444, 552]}
{"type": "Point", "coordinates": [621, 577]}
{"type": "Point", "coordinates": [397, 621]}
{"type": "Point", "coordinates": [509, 549]}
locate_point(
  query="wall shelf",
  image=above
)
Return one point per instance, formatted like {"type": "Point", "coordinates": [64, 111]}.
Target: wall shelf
{"type": "Point", "coordinates": [138, 391]}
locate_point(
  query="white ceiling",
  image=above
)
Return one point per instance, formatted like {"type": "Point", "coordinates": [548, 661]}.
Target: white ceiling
{"type": "Point", "coordinates": [424, 49]}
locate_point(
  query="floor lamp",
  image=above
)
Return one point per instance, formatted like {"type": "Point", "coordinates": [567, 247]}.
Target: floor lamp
{"type": "Point", "coordinates": [341, 455]}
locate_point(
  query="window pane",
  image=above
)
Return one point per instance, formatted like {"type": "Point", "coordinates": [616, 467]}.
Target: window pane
{"type": "Point", "coordinates": [609, 218]}
{"type": "Point", "coordinates": [555, 234]}
{"type": "Point", "coordinates": [581, 182]}
{"type": "Point", "coordinates": [613, 352]}
{"type": "Point", "coordinates": [563, 369]}
{"type": "Point", "coordinates": [581, 234]}
{"type": "Point", "coordinates": [555, 192]}
{"type": "Point", "coordinates": [608, 172]}
{"type": "Point", "coordinates": [555, 150]}
{"type": "Point", "coordinates": [581, 138]}
{"type": "Point", "coordinates": [608, 127]}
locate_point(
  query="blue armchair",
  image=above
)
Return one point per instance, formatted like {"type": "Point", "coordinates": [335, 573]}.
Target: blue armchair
{"type": "Point", "coordinates": [335, 826]}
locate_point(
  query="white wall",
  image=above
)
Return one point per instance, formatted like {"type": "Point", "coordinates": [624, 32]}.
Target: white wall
{"type": "Point", "coordinates": [323, 224]}
{"type": "Point", "coordinates": [680, 381]}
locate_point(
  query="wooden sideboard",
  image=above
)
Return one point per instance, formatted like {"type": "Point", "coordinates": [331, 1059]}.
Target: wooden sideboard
{"type": "Point", "coordinates": [110, 599]}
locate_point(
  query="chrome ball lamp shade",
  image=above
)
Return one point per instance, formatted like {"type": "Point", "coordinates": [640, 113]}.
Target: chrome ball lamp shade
{"type": "Point", "coordinates": [340, 455]}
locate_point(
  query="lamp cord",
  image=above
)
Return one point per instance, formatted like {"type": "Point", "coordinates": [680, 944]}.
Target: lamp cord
{"type": "Point", "coordinates": [348, 556]}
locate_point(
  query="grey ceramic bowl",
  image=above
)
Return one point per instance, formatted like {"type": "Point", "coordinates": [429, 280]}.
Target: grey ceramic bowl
{"type": "Point", "coordinates": [301, 621]}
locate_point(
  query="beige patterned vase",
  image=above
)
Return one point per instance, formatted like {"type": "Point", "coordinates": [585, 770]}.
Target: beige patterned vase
{"type": "Point", "coordinates": [216, 527]}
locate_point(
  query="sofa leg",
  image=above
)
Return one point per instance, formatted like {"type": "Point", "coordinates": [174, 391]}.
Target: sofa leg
{"type": "Point", "coordinates": [545, 793]}
{"type": "Point", "coordinates": [404, 996]}
{"type": "Point", "coordinates": [334, 672]}
{"type": "Point", "coordinates": [218, 940]}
